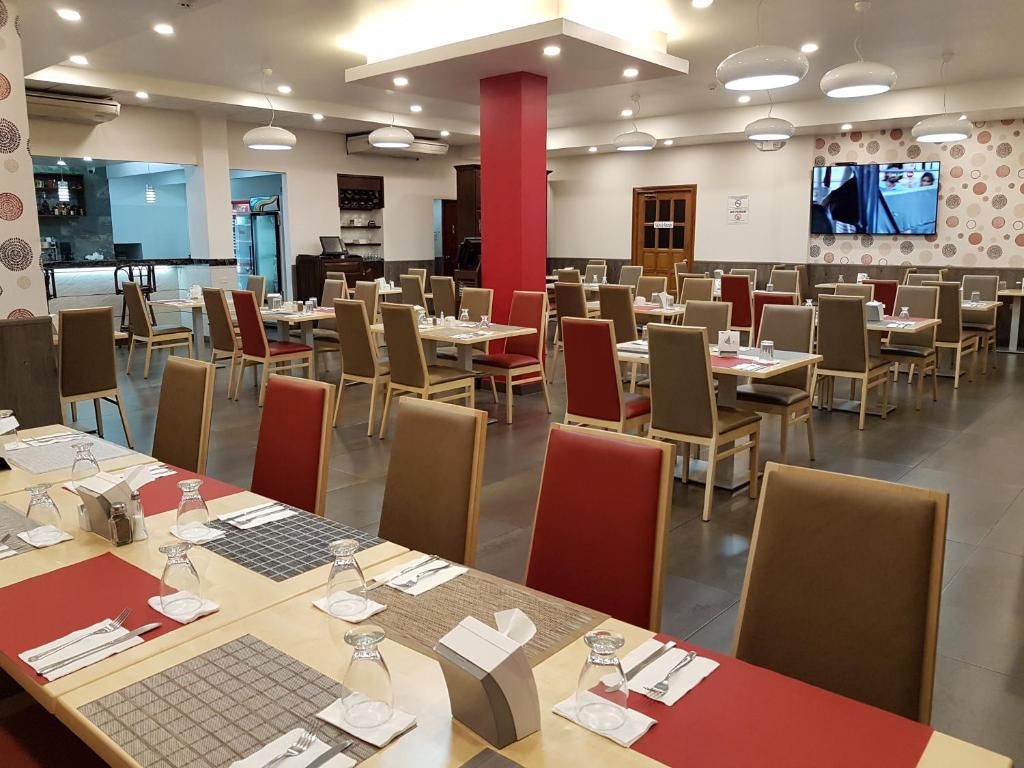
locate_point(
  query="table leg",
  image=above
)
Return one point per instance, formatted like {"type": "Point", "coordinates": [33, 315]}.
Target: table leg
{"type": "Point", "coordinates": [306, 329]}
{"type": "Point", "coordinates": [1015, 325]}
{"type": "Point", "coordinates": [465, 356]}
{"type": "Point", "coordinates": [197, 333]}
{"type": "Point", "coordinates": [282, 330]}
{"type": "Point", "coordinates": [430, 351]}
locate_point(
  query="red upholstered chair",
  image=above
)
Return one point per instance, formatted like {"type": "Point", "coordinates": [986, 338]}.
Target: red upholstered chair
{"type": "Point", "coordinates": [294, 443]}
{"type": "Point", "coordinates": [765, 297]}
{"type": "Point", "coordinates": [593, 380]}
{"type": "Point", "coordinates": [274, 356]}
{"type": "Point", "coordinates": [522, 358]}
{"type": "Point", "coordinates": [581, 521]}
{"type": "Point", "coordinates": [33, 738]}
{"type": "Point", "coordinates": [885, 292]}
{"type": "Point", "coordinates": [736, 291]}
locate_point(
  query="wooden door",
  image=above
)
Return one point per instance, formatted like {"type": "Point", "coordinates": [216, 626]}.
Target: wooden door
{"type": "Point", "coordinates": [663, 220]}
{"type": "Point", "coordinates": [449, 243]}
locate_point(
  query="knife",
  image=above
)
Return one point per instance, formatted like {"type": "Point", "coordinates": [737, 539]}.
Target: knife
{"type": "Point", "coordinates": [379, 582]}
{"type": "Point", "coordinates": [330, 754]}
{"type": "Point", "coordinates": [255, 512]}
{"type": "Point", "coordinates": [78, 656]}
{"type": "Point", "coordinates": [653, 657]}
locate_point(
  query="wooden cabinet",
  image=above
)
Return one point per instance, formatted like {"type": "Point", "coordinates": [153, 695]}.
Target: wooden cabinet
{"type": "Point", "coordinates": [311, 271]}
{"type": "Point", "coordinates": [467, 203]}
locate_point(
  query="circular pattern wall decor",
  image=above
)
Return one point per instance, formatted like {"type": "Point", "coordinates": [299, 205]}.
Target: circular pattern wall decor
{"type": "Point", "coordinates": [15, 254]}
{"type": "Point", "coordinates": [5, 87]}
{"type": "Point", "coordinates": [11, 206]}
{"type": "Point", "coordinates": [10, 137]}
{"type": "Point", "coordinates": [19, 314]}
{"type": "Point", "coordinates": [3, 14]}
{"type": "Point", "coordinates": [949, 250]}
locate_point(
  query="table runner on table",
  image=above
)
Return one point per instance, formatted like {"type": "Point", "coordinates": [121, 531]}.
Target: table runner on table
{"type": "Point", "coordinates": [218, 707]}
{"type": "Point", "coordinates": [750, 716]}
{"type": "Point", "coordinates": [38, 459]}
{"type": "Point", "coordinates": [14, 521]}
{"type": "Point", "coordinates": [285, 548]}
{"type": "Point", "coordinates": [163, 494]}
{"type": "Point", "coordinates": [420, 621]}
{"type": "Point", "coordinates": [51, 605]}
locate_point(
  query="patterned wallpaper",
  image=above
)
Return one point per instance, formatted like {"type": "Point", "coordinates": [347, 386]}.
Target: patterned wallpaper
{"type": "Point", "coordinates": [981, 199]}
{"type": "Point", "coordinates": [22, 293]}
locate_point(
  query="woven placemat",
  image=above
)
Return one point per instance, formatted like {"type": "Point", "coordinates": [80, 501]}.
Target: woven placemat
{"type": "Point", "coordinates": [218, 707]}
{"type": "Point", "coordinates": [14, 521]}
{"type": "Point", "coordinates": [420, 621]}
{"type": "Point", "coordinates": [37, 459]}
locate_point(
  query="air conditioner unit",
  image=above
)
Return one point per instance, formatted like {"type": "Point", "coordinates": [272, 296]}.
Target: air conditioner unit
{"type": "Point", "coordinates": [419, 148]}
{"type": "Point", "coordinates": [72, 109]}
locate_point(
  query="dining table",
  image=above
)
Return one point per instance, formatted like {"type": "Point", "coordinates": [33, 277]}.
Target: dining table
{"type": "Point", "coordinates": [1015, 295]}
{"type": "Point", "coordinates": [196, 307]}
{"type": "Point", "coordinates": [463, 335]}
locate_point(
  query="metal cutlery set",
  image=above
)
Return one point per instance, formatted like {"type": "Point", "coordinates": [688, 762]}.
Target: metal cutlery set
{"type": "Point", "coordinates": [51, 668]}
{"type": "Point", "coordinates": [302, 744]}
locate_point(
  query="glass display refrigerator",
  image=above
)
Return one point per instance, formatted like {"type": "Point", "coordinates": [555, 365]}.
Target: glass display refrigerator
{"type": "Point", "coordinates": [257, 239]}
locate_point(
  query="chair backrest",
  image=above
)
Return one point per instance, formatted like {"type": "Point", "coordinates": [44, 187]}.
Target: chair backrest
{"type": "Point", "coordinates": [986, 285]}
{"type": "Point", "coordinates": [567, 275]}
{"type": "Point", "coordinates": [595, 273]}
{"type": "Point", "coordinates": [405, 351]}
{"type": "Point", "coordinates": [750, 274]}
{"type": "Point", "coordinates": [885, 292]}
{"type": "Point", "coordinates": [250, 324]}
{"type": "Point", "coordinates": [138, 315]}
{"type": "Point", "coordinates": [28, 371]}
{"type": "Point", "coordinates": [593, 383]}
{"type": "Point", "coordinates": [843, 333]}
{"type": "Point", "coordinates": [865, 290]}
{"type": "Point", "coordinates": [412, 290]}
{"type": "Point", "coordinates": [432, 497]}
{"type": "Point", "coordinates": [699, 288]}
{"type": "Point", "coordinates": [785, 280]}
{"type": "Point", "coordinates": [949, 313]}
{"type": "Point", "coordinates": [580, 512]}
{"type": "Point", "coordinates": [679, 269]}
{"type": "Point", "coordinates": [85, 358]}
{"type": "Point", "coordinates": [257, 285]}
{"type": "Point", "coordinates": [294, 443]}
{"type": "Point", "coordinates": [650, 285]}
{"type": "Point", "coordinates": [368, 292]}
{"type": "Point", "coordinates": [736, 290]}
{"type": "Point", "coordinates": [182, 433]}
{"type": "Point", "coordinates": [333, 289]}
{"type": "Point", "coordinates": [596, 261]}
{"type": "Point", "coordinates": [222, 332]}
{"type": "Point", "coordinates": [353, 324]}
{"type": "Point", "coordinates": [529, 310]}
{"type": "Point", "coordinates": [920, 278]}
{"type": "Point", "coordinates": [712, 316]}
{"type": "Point", "coordinates": [617, 306]}
{"type": "Point", "coordinates": [792, 330]}
{"type": "Point", "coordinates": [764, 298]}
{"type": "Point", "coordinates": [420, 273]}
{"type": "Point", "coordinates": [570, 300]}
{"type": "Point", "coordinates": [443, 289]}
{"type": "Point", "coordinates": [922, 301]}
{"type": "Point", "coordinates": [682, 390]}
{"type": "Point", "coordinates": [630, 275]}
{"type": "Point", "coordinates": [853, 563]}
{"type": "Point", "coordinates": [478, 301]}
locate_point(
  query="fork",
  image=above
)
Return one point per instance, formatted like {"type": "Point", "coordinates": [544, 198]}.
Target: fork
{"type": "Point", "coordinates": [4, 538]}
{"type": "Point", "coordinates": [413, 578]}
{"type": "Point", "coordinates": [110, 627]}
{"type": "Point", "coordinates": [304, 742]}
{"type": "Point", "coordinates": [659, 689]}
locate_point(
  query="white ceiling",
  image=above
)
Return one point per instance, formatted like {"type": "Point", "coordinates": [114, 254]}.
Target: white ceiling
{"type": "Point", "coordinates": [310, 43]}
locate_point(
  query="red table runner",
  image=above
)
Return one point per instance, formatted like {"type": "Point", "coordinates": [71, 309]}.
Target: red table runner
{"type": "Point", "coordinates": [743, 715]}
{"type": "Point", "coordinates": [41, 609]}
{"type": "Point", "coordinates": [163, 493]}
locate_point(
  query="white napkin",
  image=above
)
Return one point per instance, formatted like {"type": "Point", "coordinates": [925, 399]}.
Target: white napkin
{"type": "Point", "coordinates": [205, 609]}
{"type": "Point", "coordinates": [281, 743]}
{"type": "Point", "coordinates": [515, 625]}
{"type": "Point", "coordinates": [208, 534]}
{"type": "Point", "coordinates": [372, 609]}
{"type": "Point", "coordinates": [427, 582]}
{"type": "Point", "coordinates": [682, 682]}
{"type": "Point", "coordinates": [399, 723]}
{"type": "Point", "coordinates": [637, 656]}
{"type": "Point", "coordinates": [625, 735]}
{"type": "Point", "coordinates": [65, 536]}
{"type": "Point", "coordinates": [267, 515]}
{"type": "Point", "coordinates": [6, 551]}
{"type": "Point", "coordinates": [8, 424]}
{"type": "Point", "coordinates": [74, 649]}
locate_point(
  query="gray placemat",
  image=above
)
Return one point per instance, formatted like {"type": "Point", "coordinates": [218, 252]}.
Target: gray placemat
{"type": "Point", "coordinates": [38, 459]}
{"type": "Point", "coordinates": [14, 521]}
{"type": "Point", "coordinates": [488, 758]}
{"type": "Point", "coordinates": [285, 548]}
{"type": "Point", "coordinates": [218, 707]}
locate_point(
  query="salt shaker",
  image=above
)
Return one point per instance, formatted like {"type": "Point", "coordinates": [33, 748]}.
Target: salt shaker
{"type": "Point", "coordinates": [120, 525]}
{"type": "Point", "coordinates": [138, 515]}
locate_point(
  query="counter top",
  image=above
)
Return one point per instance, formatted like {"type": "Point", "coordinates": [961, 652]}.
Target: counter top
{"type": "Point", "coordinates": [84, 264]}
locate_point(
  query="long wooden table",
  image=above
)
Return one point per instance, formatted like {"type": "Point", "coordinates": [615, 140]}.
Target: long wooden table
{"type": "Point", "coordinates": [432, 335]}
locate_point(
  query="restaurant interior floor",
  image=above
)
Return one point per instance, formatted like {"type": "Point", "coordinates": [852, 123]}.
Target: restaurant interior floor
{"type": "Point", "coordinates": [970, 444]}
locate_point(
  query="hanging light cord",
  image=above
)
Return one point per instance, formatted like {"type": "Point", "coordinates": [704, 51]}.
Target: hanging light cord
{"type": "Point", "coordinates": [942, 78]}
{"type": "Point", "coordinates": [757, 17]}
{"type": "Point", "coordinates": [263, 88]}
{"type": "Point", "coordinates": [771, 103]}
{"type": "Point", "coordinates": [636, 113]}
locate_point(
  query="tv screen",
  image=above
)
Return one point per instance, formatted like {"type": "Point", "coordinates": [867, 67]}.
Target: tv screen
{"type": "Point", "coordinates": [886, 199]}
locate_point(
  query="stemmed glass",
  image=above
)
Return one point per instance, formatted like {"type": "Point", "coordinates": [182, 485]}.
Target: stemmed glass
{"type": "Point", "coordinates": [192, 512]}
{"type": "Point", "coordinates": [904, 313]}
{"type": "Point", "coordinates": [464, 316]}
{"type": "Point", "coordinates": [369, 700]}
{"type": "Point", "coordinates": [85, 464]}
{"type": "Point", "coordinates": [42, 511]}
{"type": "Point", "coordinates": [346, 586]}
{"type": "Point", "coordinates": [602, 694]}
{"type": "Point", "coordinates": [180, 596]}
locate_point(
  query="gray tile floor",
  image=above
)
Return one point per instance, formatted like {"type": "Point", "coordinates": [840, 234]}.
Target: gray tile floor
{"type": "Point", "coordinates": [970, 444]}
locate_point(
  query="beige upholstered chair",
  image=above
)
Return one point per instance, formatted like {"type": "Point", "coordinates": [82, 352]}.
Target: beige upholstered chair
{"type": "Point", "coordinates": [679, 269]}
{"type": "Point", "coordinates": [617, 306]}
{"type": "Point", "coordinates": [697, 288]}
{"type": "Point", "coordinates": [843, 343]}
{"type": "Point", "coordinates": [274, 356]}
{"type": "Point", "coordinates": [920, 278]}
{"type": "Point", "coordinates": [916, 350]}
{"type": "Point", "coordinates": [257, 284]}
{"type": "Point", "coordinates": [595, 273]}
{"type": "Point", "coordinates": [412, 290]}
{"type": "Point", "coordinates": [786, 281]}
{"type": "Point", "coordinates": [420, 273]}
{"type": "Point", "coordinates": [712, 316]}
{"type": "Point", "coordinates": [143, 331]}
{"type": "Point", "coordinates": [432, 497]}
{"type": "Point", "coordinates": [477, 302]}
{"type": "Point", "coordinates": [683, 407]}
{"type": "Point", "coordinates": [849, 563]}
{"type": "Point", "coordinates": [443, 289]}
{"type": "Point", "coordinates": [28, 371]}
{"type": "Point", "coordinates": [368, 292]}
{"type": "Point", "coordinates": [647, 287]}
{"type": "Point", "coordinates": [570, 301]}
{"type": "Point", "coordinates": [951, 334]}
{"type": "Point", "coordinates": [182, 434]}
{"type": "Point", "coordinates": [568, 276]}
{"type": "Point", "coordinates": [325, 335]}
{"type": "Point", "coordinates": [788, 394]}
{"type": "Point", "coordinates": [223, 339]}
{"type": "Point", "coordinates": [751, 275]}
{"type": "Point", "coordinates": [630, 275]}
{"type": "Point", "coordinates": [360, 361]}
{"type": "Point", "coordinates": [409, 369]}
{"type": "Point", "coordinates": [982, 321]}
{"type": "Point", "coordinates": [865, 290]}
{"type": "Point", "coordinates": [85, 362]}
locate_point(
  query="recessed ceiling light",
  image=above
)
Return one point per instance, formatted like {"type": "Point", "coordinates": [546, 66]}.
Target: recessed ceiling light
{"type": "Point", "coordinates": [68, 14]}
{"type": "Point", "coordinates": [846, 127]}
{"type": "Point", "coordinates": [701, 3]}
{"type": "Point", "coordinates": [552, 50]}
{"type": "Point", "coordinates": [142, 95]}
{"type": "Point", "coordinates": [626, 113]}
{"type": "Point", "coordinates": [284, 89]}
{"type": "Point", "coordinates": [87, 159]}
{"type": "Point", "coordinates": [744, 99]}
{"type": "Point", "coordinates": [415, 108]}
{"type": "Point", "coordinates": [163, 29]}
{"type": "Point", "coordinates": [630, 72]}
{"type": "Point", "coordinates": [79, 59]}
{"type": "Point", "coordinates": [445, 133]}
{"type": "Point", "coordinates": [400, 81]}
{"type": "Point", "coordinates": [317, 116]}
{"type": "Point", "coordinates": [592, 149]}
{"type": "Point", "coordinates": [809, 48]}
{"type": "Point", "coordinates": [668, 142]}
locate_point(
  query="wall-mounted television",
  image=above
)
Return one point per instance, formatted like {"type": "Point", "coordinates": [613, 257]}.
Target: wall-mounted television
{"type": "Point", "coordinates": [875, 199]}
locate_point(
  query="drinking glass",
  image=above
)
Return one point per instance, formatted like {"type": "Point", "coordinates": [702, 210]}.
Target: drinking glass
{"type": "Point", "coordinates": [369, 701]}
{"type": "Point", "coordinates": [485, 321]}
{"type": "Point", "coordinates": [841, 279]}
{"type": "Point", "coordinates": [464, 315]}
{"type": "Point", "coordinates": [770, 287]}
{"type": "Point", "coordinates": [1002, 285]}
{"type": "Point", "coordinates": [85, 464]}
{"type": "Point", "coordinates": [767, 350]}
{"type": "Point", "coordinates": [606, 710]}
{"type": "Point", "coordinates": [346, 586]}
{"type": "Point", "coordinates": [975, 297]}
{"type": "Point", "coordinates": [180, 595]}
{"type": "Point", "coordinates": [192, 512]}
{"type": "Point", "coordinates": [904, 313]}
{"type": "Point", "coordinates": [809, 302]}
{"type": "Point", "coordinates": [45, 515]}
{"type": "Point", "coordinates": [313, 303]}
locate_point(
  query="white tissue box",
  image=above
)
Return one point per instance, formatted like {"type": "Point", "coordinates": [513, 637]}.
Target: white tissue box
{"type": "Point", "coordinates": [875, 311]}
{"type": "Point", "coordinates": [728, 342]}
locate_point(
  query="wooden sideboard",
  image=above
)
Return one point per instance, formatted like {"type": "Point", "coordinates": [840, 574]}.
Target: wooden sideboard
{"type": "Point", "coordinates": [311, 271]}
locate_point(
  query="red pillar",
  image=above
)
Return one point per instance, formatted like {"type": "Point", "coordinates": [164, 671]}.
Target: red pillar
{"type": "Point", "coordinates": [513, 185]}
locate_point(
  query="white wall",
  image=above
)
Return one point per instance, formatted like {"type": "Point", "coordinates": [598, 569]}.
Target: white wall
{"type": "Point", "coordinates": [162, 228]}
{"type": "Point", "coordinates": [591, 200]}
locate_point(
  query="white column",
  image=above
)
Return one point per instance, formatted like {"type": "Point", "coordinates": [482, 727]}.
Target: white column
{"type": "Point", "coordinates": [22, 292]}
{"type": "Point", "coordinates": [208, 190]}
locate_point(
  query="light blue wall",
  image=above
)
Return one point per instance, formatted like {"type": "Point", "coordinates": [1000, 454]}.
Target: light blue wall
{"type": "Point", "coordinates": [255, 186]}
{"type": "Point", "coordinates": [161, 228]}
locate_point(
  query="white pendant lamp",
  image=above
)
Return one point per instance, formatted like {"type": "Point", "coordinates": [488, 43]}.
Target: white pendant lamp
{"type": "Point", "coordinates": [269, 137]}
{"type": "Point", "coordinates": [63, 192]}
{"type": "Point", "coordinates": [391, 137]}
{"type": "Point", "coordinates": [762, 67]}
{"type": "Point", "coordinates": [770, 129]}
{"type": "Point", "coordinates": [635, 140]}
{"type": "Point", "coordinates": [149, 194]}
{"type": "Point", "coordinates": [945, 127]}
{"type": "Point", "coordinates": [858, 78]}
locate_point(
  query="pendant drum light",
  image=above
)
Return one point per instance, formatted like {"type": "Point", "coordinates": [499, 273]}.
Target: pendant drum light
{"type": "Point", "coordinates": [945, 127]}
{"type": "Point", "coordinates": [269, 137]}
{"type": "Point", "coordinates": [635, 140]}
{"type": "Point", "coordinates": [150, 193]}
{"type": "Point", "coordinates": [762, 66]}
{"type": "Point", "coordinates": [858, 78]}
{"type": "Point", "coordinates": [391, 137]}
{"type": "Point", "coordinates": [770, 129]}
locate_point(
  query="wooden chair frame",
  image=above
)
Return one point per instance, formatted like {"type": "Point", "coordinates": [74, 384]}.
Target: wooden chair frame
{"type": "Point", "coordinates": [216, 355]}
{"type": "Point", "coordinates": [922, 365]}
{"type": "Point", "coordinates": [869, 379]}
{"type": "Point", "coordinates": [272, 364]}
{"type": "Point", "coordinates": [167, 341]}
{"type": "Point", "coordinates": [204, 433]}
{"type": "Point", "coordinates": [380, 380]}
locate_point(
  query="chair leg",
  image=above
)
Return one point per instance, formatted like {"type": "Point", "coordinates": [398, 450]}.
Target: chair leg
{"type": "Point", "coordinates": [935, 380]}
{"type": "Point", "coordinates": [554, 359]}
{"type": "Point", "coordinates": [238, 379]}
{"type": "Point", "coordinates": [131, 352]}
{"type": "Point", "coordinates": [373, 407]}
{"type": "Point", "coordinates": [755, 440]}
{"type": "Point", "coordinates": [190, 347]}
{"type": "Point", "coordinates": [920, 387]}
{"type": "Point", "coordinates": [471, 395]}
{"type": "Point", "coordinates": [494, 390]}
{"type": "Point", "coordinates": [544, 389]}
{"type": "Point", "coordinates": [686, 463]}
{"type": "Point", "coordinates": [864, 401]}
{"type": "Point", "coordinates": [956, 367]}
{"type": "Point", "coordinates": [231, 375]}
{"type": "Point", "coordinates": [124, 421]}
{"type": "Point", "coordinates": [709, 481]}
{"type": "Point", "coordinates": [508, 398]}
{"type": "Point", "coordinates": [984, 358]}
{"type": "Point", "coordinates": [338, 399]}
{"type": "Point", "coordinates": [974, 364]}
{"type": "Point", "coordinates": [99, 416]}
{"type": "Point", "coordinates": [810, 435]}
{"type": "Point", "coordinates": [384, 415]}
{"type": "Point", "coordinates": [149, 357]}
{"type": "Point", "coordinates": [264, 378]}
{"type": "Point", "coordinates": [783, 436]}
{"type": "Point", "coordinates": [885, 400]}
{"type": "Point", "coordinates": [74, 411]}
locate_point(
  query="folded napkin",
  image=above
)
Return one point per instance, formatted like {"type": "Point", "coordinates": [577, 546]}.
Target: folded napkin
{"type": "Point", "coordinates": [399, 722]}
{"type": "Point", "coordinates": [8, 424]}
{"type": "Point", "coordinates": [682, 682]}
{"type": "Point", "coordinates": [427, 582]}
{"type": "Point", "coordinates": [6, 551]}
{"type": "Point", "coordinates": [207, 534]}
{"type": "Point", "coordinates": [264, 755]}
{"type": "Point", "coordinates": [86, 643]}
{"type": "Point", "coordinates": [206, 607]}
{"type": "Point", "coordinates": [372, 609]}
{"type": "Point", "coordinates": [65, 536]}
{"type": "Point", "coordinates": [635, 726]}
{"type": "Point", "coordinates": [267, 514]}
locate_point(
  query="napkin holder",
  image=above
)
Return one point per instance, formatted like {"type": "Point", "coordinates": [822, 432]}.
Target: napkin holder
{"type": "Point", "coordinates": [666, 299]}
{"type": "Point", "coordinates": [875, 311]}
{"type": "Point", "coordinates": [98, 493]}
{"type": "Point", "coordinates": [862, 276]}
{"type": "Point", "coordinates": [728, 343]}
{"type": "Point", "coordinates": [490, 683]}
